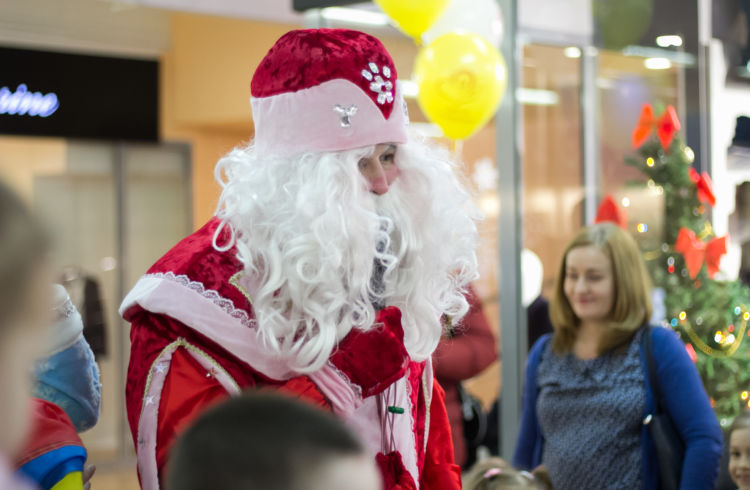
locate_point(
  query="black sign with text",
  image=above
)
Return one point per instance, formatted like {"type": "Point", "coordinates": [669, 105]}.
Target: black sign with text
{"type": "Point", "coordinates": [75, 96]}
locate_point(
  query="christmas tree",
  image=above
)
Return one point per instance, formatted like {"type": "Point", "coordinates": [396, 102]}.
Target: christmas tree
{"type": "Point", "coordinates": [710, 315]}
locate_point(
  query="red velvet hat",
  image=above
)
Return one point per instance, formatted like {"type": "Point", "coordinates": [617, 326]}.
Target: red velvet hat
{"type": "Point", "coordinates": [326, 90]}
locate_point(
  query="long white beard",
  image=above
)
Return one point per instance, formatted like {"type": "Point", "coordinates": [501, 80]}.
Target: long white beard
{"type": "Point", "coordinates": [310, 231]}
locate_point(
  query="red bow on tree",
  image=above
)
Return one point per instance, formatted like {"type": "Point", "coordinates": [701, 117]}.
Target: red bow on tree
{"type": "Point", "coordinates": [666, 127]}
{"type": "Point", "coordinates": [691, 352]}
{"type": "Point", "coordinates": [609, 211]}
{"type": "Point", "coordinates": [696, 252]}
{"type": "Point", "coordinates": [704, 185]}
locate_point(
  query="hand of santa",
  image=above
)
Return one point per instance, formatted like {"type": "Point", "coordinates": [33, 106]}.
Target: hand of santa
{"type": "Point", "coordinates": [375, 358]}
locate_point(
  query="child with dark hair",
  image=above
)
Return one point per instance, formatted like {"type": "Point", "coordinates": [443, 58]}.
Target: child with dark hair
{"type": "Point", "coordinates": [269, 442]}
{"type": "Point", "coordinates": [739, 451]}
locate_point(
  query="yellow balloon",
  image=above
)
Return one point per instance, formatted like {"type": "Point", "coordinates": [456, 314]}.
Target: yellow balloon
{"type": "Point", "coordinates": [413, 16]}
{"type": "Point", "coordinates": [461, 79]}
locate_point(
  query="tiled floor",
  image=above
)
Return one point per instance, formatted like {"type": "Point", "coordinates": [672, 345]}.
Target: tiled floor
{"type": "Point", "coordinates": [115, 476]}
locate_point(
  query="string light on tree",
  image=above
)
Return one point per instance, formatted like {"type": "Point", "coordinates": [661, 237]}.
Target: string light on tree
{"type": "Point", "coordinates": [709, 314]}
{"type": "Point", "coordinates": [689, 155]}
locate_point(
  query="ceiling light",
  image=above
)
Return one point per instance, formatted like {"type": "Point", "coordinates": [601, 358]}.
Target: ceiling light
{"type": "Point", "coordinates": [572, 52]}
{"type": "Point", "coordinates": [354, 16]}
{"type": "Point", "coordinates": [667, 41]}
{"type": "Point", "coordinates": [530, 96]}
{"type": "Point", "coordinates": [657, 63]}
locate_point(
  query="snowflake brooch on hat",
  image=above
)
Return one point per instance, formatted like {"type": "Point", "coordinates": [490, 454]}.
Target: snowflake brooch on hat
{"type": "Point", "coordinates": [382, 87]}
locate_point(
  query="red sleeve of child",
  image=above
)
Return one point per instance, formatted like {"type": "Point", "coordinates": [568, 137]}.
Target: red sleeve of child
{"type": "Point", "coordinates": [50, 429]}
{"type": "Point", "coordinates": [440, 472]}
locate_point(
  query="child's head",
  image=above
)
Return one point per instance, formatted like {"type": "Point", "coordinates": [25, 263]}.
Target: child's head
{"type": "Point", "coordinates": [496, 474]}
{"type": "Point", "coordinates": [24, 311]}
{"type": "Point", "coordinates": [739, 451]}
{"type": "Point", "coordinates": [265, 441]}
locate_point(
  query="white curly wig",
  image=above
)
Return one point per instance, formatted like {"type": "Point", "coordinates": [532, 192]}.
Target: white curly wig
{"type": "Point", "coordinates": [310, 231]}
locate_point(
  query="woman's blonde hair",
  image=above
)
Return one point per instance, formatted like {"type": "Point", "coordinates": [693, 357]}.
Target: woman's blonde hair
{"type": "Point", "coordinates": [496, 474]}
{"type": "Point", "coordinates": [631, 307]}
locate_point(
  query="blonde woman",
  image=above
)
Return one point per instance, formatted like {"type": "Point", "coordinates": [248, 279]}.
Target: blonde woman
{"type": "Point", "coordinates": [587, 391]}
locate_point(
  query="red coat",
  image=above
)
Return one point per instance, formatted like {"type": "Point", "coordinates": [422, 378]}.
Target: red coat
{"type": "Point", "coordinates": [467, 353]}
{"type": "Point", "coordinates": [194, 342]}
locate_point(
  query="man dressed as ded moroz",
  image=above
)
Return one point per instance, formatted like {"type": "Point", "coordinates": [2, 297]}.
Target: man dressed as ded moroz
{"type": "Point", "coordinates": [340, 250]}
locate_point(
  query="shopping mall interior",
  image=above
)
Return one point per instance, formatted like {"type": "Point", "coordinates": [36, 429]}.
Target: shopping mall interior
{"type": "Point", "coordinates": [137, 100]}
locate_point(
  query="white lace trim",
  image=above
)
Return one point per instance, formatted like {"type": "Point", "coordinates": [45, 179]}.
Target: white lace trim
{"type": "Point", "coordinates": [225, 304]}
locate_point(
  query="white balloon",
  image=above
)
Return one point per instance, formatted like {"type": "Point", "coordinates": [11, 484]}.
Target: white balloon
{"type": "Point", "coordinates": [481, 17]}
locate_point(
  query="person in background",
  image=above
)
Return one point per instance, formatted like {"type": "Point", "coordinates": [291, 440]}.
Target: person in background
{"type": "Point", "coordinates": [586, 391]}
{"type": "Point", "coordinates": [265, 441]}
{"type": "Point", "coordinates": [67, 399]}
{"type": "Point", "coordinates": [537, 325]}
{"type": "Point", "coordinates": [537, 306]}
{"type": "Point", "coordinates": [462, 354]}
{"type": "Point", "coordinates": [496, 474]}
{"type": "Point", "coordinates": [739, 451]}
{"type": "Point", "coordinates": [68, 376]}
{"type": "Point", "coordinates": [25, 311]}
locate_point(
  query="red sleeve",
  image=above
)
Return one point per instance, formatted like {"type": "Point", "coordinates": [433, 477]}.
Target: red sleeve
{"type": "Point", "coordinates": [440, 472]}
{"type": "Point", "coordinates": [187, 389]}
{"type": "Point", "coordinates": [187, 392]}
{"type": "Point", "coordinates": [470, 350]}
{"type": "Point", "coordinates": [305, 390]}
{"type": "Point", "coordinates": [50, 429]}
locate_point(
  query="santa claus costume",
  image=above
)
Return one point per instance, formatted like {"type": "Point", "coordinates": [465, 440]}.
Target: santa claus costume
{"type": "Point", "coordinates": [311, 279]}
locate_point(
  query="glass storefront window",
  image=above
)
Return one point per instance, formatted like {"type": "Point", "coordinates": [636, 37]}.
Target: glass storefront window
{"type": "Point", "coordinates": [111, 211]}
{"type": "Point", "coordinates": [551, 153]}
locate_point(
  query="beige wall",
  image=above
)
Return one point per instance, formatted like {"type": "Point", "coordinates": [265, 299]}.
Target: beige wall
{"type": "Point", "coordinates": [205, 92]}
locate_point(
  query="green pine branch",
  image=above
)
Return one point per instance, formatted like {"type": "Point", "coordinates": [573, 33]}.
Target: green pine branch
{"type": "Point", "coordinates": [704, 307]}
